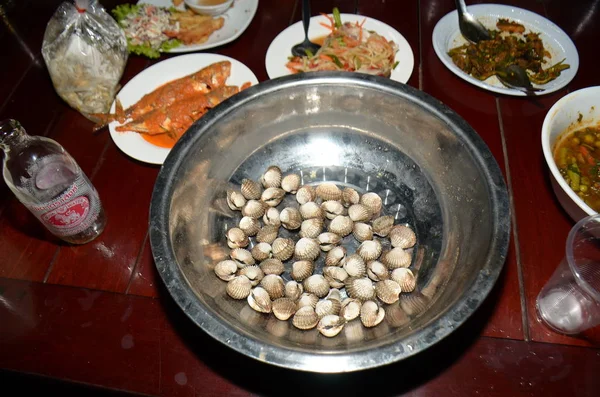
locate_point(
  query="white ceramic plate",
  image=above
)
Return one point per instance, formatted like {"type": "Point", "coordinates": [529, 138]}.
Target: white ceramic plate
{"type": "Point", "coordinates": [281, 47]}
{"type": "Point", "coordinates": [237, 18]}
{"type": "Point", "coordinates": [446, 35]}
{"type": "Point", "coordinates": [132, 143]}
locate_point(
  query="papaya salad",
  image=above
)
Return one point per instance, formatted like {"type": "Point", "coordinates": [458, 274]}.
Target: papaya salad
{"type": "Point", "coordinates": [349, 47]}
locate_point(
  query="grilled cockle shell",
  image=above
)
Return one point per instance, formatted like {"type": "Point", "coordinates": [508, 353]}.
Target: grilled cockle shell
{"type": "Point", "coordinates": [373, 202]}
{"type": "Point", "coordinates": [402, 237]}
{"type": "Point", "coordinates": [311, 210]}
{"type": "Point", "coordinates": [260, 300]}
{"type": "Point", "coordinates": [290, 218]}
{"type": "Point", "coordinates": [328, 240]}
{"type": "Point", "coordinates": [271, 177]}
{"type": "Point", "coordinates": [271, 217]}
{"type": "Point", "coordinates": [254, 209]}
{"type": "Point", "coordinates": [272, 266]}
{"type": "Point", "coordinates": [334, 293]}
{"type": "Point", "coordinates": [250, 189]}
{"type": "Point", "coordinates": [272, 196]}
{"type": "Point", "coordinates": [331, 325]}
{"type": "Point", "coordinates": [283, 248]}
{"type": "Point", "coordinates": [274, 285]}
{"type": "Point", "coordinates": [328, 191]}
{"type": "Point", "coordinates": [332, 209]}
{"type": "Point", "coordinates": [261, 251]}
{"type": "Point", "coordinates": [350, 308]}
{"type": "Point", "coordinates": [226, 270]}
{"type": "Point", "coordinates": [235, 200]}
{"type": "Point", "coordinates": [283, 308]}
{"type": "Point", "coordinates": [336, 256]}
{"type": "Point", "coordinates": [308, 299]}
{"type": "Point", "coordinates": [305, 318]}
{"type": "Point", "coordinates": [311, 228]}
{"type": "Point", "coordinates": [242, 257]}
{"type": "Point", "coordinates": [267, 234]}
{"type": "Point", "coordinates": [362, 231]}
{"type": "Point", "coordinates": [341, 225]}
{"type": "Point", "coordinates": [361, 288]}
{"type": "Point", "coordinates": [335, 276]}
{"type": "Point", "coordinates": [350, 197]}
{"type": "Point", "coordinates": [254, 274]}
{"type": "Point", "coordinates": [326, 307]}
{"type": "Point", "coordinates": [291, 183]}
{"type": "Point", "coordinates": [377, 271]}
{"type": "Point", "coordinates": [369, 250]}
{"type": "Point", "coordinates": [236, 238]}
{"type": "Point", "coordinates": [239, 287]}
{"type": "Point", "coordinates": [305, 194]}
{"type": "Point", "coordinates": [316, 284]}
{"type": "Point", "coordinates": [388, 291]}
{"type": "Point", "coordinates": [301, 270]}
{"type": "Point", "coordinates": [355, 266]}
{"type": "Point", "coordinates": [405, 278]}
{"type": "Point", "coordinates": [307, 249]}
{"type": "Point", "coordinates": [371, 314]}
{"type": "Point", "coordinates": [293, 290]}
{"type": "Point", "coordinates": [396, 258]}
{"type": "Point", "coordinates": [249, 226]}
{"type": "Point", "coordinates": [359, 213]}
{"type": "Point", "coordinates": [383, 225]}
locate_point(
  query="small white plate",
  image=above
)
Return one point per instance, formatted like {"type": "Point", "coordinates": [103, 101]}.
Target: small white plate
{"type": "Point", "coordinates": [446, 35]}
{"type": "Point", "coordinates": [281, 47]}
{"type": "Point", "coordinates": [132, 143]}
{"type": "Point", "coordinates": [237, 19]}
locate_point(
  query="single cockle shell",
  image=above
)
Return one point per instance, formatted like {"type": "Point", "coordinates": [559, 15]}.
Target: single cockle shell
{"type": "Point", "coordinates": [293, 290]}
{"type": "Point", "coordinates": [271, 217]}
{"type": "Point", "coordinates": [328, 240]}
{"type": "Point", "coordinates": [350, 308]}
{"type": "Point", "coordinates": [396, 258]}
{"type": "Point", "coordinates": [307, 249]}
{"type": "Point", "coordinates": [369, 250]}
{"type": "Point", "coordinates": [328, 191]}
{"type": "Point", "coordinates": [226, 270]}
{"type": "Point", "coordinates": [402, 237]}
{"type": "Point", "coordinates": [317, 285]}
{"type": "Point", "coordinates": [359, 213]}
{"type": "Point", "coordinates": [335, 276]}
{"type": "Point", "coordinates": [236, 238]}
{"type": "Point", "coordinates": [239, 287]}
{"type": "Point", "coordinates": [254, 209]}
{"type": "Point", "coordinates": [332, 209]}
{"type": "Point", "coordinates": [325, 307]}
{"type": "Point", "coordinates": [373, 202]}
{"type": "Point", "coordinates": [272, 196]}
{"type": "Point", "coordinates": [388, 291]}
{"type": "Point", "coordinates": [405, 278]}
{"type": "Point", "coordinates": [377, 271]}
{"type": "Point", "coordinates": [267, 234]}
{"type": "Point", "coordinates": [311, 228]}
{"type": "Point", "coordinates": [235, 200]}
{"type": "Point", "coordinates": [360, 288]}
{"type": "Point", "coordinates": [383, 225]}
{"type": "Point", "coordinates": [305, 194]}
{"type": "Point", "coordinates": [301, 270]}
{"type": "Point", "coordinates": [355, 266]}
{"type": "Point", "coordinates": [291, 183]}
{"type": "Point", "coordinates": [271, 177]}
{"type": "Point", "coordinates": [371, 314]}
{"type": "Point", "coordinates": [260, 300]}
{"type": "Point", "coordinates": [254, 274]}
{"type": "Point", "coordinates": [350, 197]}
{"type": "Point", "coordinates": [334, 293]}
{"type": "Point", "coordinates": [274, 285]}
{"type": "Point", "coordinates": [362, 231]}
{"type": "Point", "coordinates": [283, 308]}
{"type": "Point", "coordinates": [331, 325]}
{"type": "Point", "coordinates": [290, 218]}
{"type": "Point", "coordinates": [249, 226]}
{"type": "Point", "coordinates": [305, 318]}
{"type": "Point", "coordinates": [272, 266]}
{"type": "Point", "coordinates": [242, 257]}
{"type": "Point", "coordinates": [283, 248]}
{"type": "Point", "coordinates": [308, 299]}
{"type": "Point", "coordinates": [261, 251]}
{"type": "Point", "coordinates": [341, 225]}
{"type": "Point", "coordinates": [250, 189]}
{"type": "Point", "coordinates": [311, 210]}
{"type": "Point", "coordinates": [335, 256]}
{"type": "Point", "coordinates": [413, 303]}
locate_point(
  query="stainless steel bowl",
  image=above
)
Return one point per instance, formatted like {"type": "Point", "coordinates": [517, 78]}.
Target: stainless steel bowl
{"type": "Point", "coordinates": [429, 165]}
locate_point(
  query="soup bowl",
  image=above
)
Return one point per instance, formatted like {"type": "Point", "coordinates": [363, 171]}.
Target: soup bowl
{"type": "Point", "coordinates": [574, 111]}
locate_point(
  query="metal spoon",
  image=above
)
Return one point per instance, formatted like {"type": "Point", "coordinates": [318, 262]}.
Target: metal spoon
{"type": "Point", "coordinates": [300, 49]}
{"type": "Point", "coordinates": [514, 76]}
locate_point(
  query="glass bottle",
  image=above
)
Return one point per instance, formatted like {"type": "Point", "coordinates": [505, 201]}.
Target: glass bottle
{"type": "Point", "coordinates": [48, 181]}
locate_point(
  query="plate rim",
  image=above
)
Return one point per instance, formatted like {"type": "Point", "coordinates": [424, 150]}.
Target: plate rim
{"type": "Point", "coordinates": [406, 47]}
{"type": "Point", "coordinates": [537, 19]}
{"type": "Point", "coordinates": [162, 153]}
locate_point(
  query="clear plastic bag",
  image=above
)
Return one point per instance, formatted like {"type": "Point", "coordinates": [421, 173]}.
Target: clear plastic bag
{"type": "Point", "coordinates": [85, 52]}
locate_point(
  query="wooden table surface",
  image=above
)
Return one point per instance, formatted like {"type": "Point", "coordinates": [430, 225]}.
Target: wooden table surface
{"type": "Point", "coordinates": [77, 318]}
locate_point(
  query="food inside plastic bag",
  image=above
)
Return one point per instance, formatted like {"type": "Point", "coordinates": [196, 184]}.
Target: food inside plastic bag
{"type": "Point", "coordinates": [85, 52]}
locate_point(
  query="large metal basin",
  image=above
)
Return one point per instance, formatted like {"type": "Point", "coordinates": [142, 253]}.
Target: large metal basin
{"type": "Point", "coordinates": [432, 169]}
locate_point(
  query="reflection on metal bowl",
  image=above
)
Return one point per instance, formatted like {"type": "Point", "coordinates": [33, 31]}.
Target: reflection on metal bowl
{"type": "Point", "coordinates": [429, 166]}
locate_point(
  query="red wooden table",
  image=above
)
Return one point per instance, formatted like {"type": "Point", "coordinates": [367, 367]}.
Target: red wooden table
{"type": "Point", "coordinates": [94, 318]}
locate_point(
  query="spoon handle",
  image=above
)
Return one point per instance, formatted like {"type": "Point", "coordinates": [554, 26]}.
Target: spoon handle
{"type": "Point", "coordinates": [305, 15]}
{"type": "Point", "coordinates": [462, 7]}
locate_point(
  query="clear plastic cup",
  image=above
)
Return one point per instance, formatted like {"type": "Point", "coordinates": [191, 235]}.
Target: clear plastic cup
{"type": "Point", "coordinates": [569, 303]}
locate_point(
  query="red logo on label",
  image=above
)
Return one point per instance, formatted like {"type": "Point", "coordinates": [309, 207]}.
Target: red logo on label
{"type": "Point", "coordinates": [68, 215]}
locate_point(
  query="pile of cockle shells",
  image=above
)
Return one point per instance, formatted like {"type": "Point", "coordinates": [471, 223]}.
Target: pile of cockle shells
{"type": "Point", "coordinates": [325, 215]}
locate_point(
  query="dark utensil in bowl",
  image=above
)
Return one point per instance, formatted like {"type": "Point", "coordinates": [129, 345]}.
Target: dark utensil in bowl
{"type": "Point", "coordinates": [300, 50]}
{"type": "Point", "coordinates": [431, 168]}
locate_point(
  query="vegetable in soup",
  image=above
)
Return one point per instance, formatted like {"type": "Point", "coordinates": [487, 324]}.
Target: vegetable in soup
{"type": "Point", "coordinates": [577, 156]}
